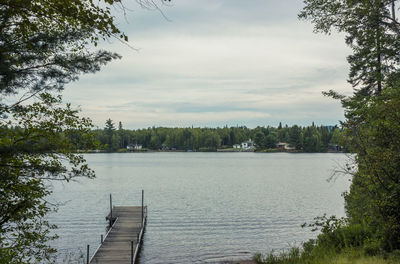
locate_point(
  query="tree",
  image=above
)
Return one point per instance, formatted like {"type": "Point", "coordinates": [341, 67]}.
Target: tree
{"type": "Point", "coordinates": [336, 137]}
{"type": "Point", "coordinates": [34, 151]}
{"type": "Point", "coordinates": [312, 140]}
{"type": "Point", "coordinates": [122, 136]}
{"type": "Point", "coordinates": [372, 29]}
{"type": "Point", "coordinates": [325, 136]}
{"type": "Point", "coordinates": [42, 48]}
{"type": "Point", "coordinates": [271, 140]}
{"type": "Point", "coordinates": [109, 131]}
{"type": "Point", "coordinates": [155, 142]}
{"type": "Point", "coordinates": [372, 129]}
{"type": "Point", "coordinates": [115, 142]}
{"type": "Point", "coordinates": [372, 112]}
{"type": "Point", "coordinates": [211, 140]}
{"type": "Point", "coordinates": [295, 137]}
{"type": "Point", "coordinates": [225, 136]}
{"type": "Point", "coordinates": [259, 139]}
{"type": "Point", "coordinates": [283, 134]}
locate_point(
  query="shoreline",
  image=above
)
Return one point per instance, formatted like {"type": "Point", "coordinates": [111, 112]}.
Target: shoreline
{"type": "Point", "coordinates": [214, 151]}
{"type": "Point", "coordinates": [249, 261]}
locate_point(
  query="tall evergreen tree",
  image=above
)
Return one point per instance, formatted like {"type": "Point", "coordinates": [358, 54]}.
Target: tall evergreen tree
{"type": "Point", "coordinates": [109, 130]}
{"type": "Point", "coordinates": [259, 139]}
{"type": "Point", "coordinates": [121, 134]}
{"type": "Point", "coordinates": [372, 31]}
{"type": "Point", "coordinates": [372, 113]}
{"type": "Point", "coordinates": [271, 140]}
{"type": "Point", "coordinates": [295, 137]}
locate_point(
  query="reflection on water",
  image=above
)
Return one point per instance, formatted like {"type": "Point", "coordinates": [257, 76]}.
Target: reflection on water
{"type": "Point", "coordinates": [203, 207]}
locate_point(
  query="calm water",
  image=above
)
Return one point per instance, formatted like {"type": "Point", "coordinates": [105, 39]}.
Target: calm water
{"type": "Point", "coordinates": [203, 207]}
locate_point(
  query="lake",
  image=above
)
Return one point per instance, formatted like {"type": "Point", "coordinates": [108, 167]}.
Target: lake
{"type": "Point", "coordinates": [202, 207]}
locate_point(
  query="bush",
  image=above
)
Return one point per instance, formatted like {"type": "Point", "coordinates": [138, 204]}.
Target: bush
{"type": "Point", "coordinates": [344, 237]}
{"type": "Point", "coordinates": [372, 247]}
{"type": "Point", "coordinates": [337, 234]}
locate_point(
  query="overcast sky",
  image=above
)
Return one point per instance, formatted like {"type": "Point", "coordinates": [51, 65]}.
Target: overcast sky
{"type": "Point", "coordinates": [216, 63]}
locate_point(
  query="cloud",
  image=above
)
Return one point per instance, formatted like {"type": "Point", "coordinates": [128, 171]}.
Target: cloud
{"type": "Point", "coordinates": [218, 63]}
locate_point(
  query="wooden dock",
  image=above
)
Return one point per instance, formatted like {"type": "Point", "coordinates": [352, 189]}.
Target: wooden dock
{"type": "Point", "coordinates": [121, 244]}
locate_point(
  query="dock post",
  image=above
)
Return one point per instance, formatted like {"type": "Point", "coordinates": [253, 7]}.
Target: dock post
{"type": "Point", "coordinates": [87, 254]}
{"type": "Point", "coordinates": [111, 216]}
{"type": "Point", "coordinates": [131, 251]}
{"type": "Point", "coordinates": [101, 239]}
{"type": "Point", "coordinates": [141, 224]}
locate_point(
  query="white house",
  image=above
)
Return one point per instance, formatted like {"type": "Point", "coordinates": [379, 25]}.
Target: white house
{"type": "Point", "coordinates": [134, 146]}
{"type": "Point", "coordinates": [138, 146]}
{"type": "Point", "coordinates": [248, 144]}
{"type": "Point", "coordinates": [236, 146]}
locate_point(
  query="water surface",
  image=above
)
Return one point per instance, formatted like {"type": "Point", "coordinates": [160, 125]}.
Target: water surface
{"type": "Point", "coordinates": [203, 207]}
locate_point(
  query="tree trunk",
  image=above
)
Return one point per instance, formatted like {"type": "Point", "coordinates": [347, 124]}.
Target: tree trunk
{"type": "Point", "coordinates": [394, 10]}
{"type": "Point", "coordinates": [379, 66]}
{"type": "Point", "coordinates": [378, 48]}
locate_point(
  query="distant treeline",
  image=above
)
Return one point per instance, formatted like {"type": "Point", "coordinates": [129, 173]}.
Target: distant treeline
{"type": "Point", "coordinates": [308, 139]}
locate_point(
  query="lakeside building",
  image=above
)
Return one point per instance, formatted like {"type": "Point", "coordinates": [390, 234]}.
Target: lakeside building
{"type": "Point", "coordinates": [247, 145]}
{"type": "Point", "coordinates": [132, 147]}
{"type": "Point", "coordinates": [284, 146]}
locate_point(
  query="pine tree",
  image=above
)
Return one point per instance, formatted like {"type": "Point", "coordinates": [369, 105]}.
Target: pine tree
{"type": "Point", "coordinates": [372, 31]}
{"type": "Point", "coordinates": [372, 113]}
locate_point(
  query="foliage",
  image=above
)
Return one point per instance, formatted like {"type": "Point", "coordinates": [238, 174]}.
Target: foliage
{"type": "Point", "coordinates": [373, 127]}
{"type": "Point", "coordinates": [338, 242]}
{"type": "Point", "coordinates": [296, 137]}
{"type": "Point", "coordinates": [36, 16]}
{"type": "Point", "coordinates": [212, 138]}
{"type": "Point", "coordinates": [259, 138]}
{"type": "Point", "coordinates": [35, 150]}
{"type": "Point", "coordinates": [372, 119]}
{"type": "Point", "coordinates": [42, 48]}
{"type": "Point", "coordinates": [372, 29]}
{"type": "Point", "coordinates": [271, 140]}
{"type": "Point", "coordinates": [110, 136]}
{"type": "Point", "coordinates": [337, 235]}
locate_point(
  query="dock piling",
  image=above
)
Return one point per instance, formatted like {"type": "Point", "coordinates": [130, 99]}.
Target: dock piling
{"type": "Point", "coordinates": [101, 239]}
{"type": "Point", "coordinates": [131, 251]}
{"type": "Point", "coordinates": [111, 211]}
{"type": "Point", "coordinates": [87, 254]}
{"type": "Point", "coordinates": [142, 207]}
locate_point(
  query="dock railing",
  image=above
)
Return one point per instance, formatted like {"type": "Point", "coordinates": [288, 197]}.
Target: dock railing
{"type": "Point", "coordinates": [140, 236]}
{"type": "Point", "coordinates": [101, 242]}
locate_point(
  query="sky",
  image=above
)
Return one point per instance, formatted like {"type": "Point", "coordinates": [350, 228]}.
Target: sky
{"type": "Point", "coordinates": [213, 63]}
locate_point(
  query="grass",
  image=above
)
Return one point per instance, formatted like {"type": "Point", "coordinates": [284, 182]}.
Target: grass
{"type": "Point", "coordinates": [350, 256]}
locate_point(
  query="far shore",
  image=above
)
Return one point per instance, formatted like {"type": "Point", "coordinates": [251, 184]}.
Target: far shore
{"type": "Point", "coordinates": [214, 151]}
